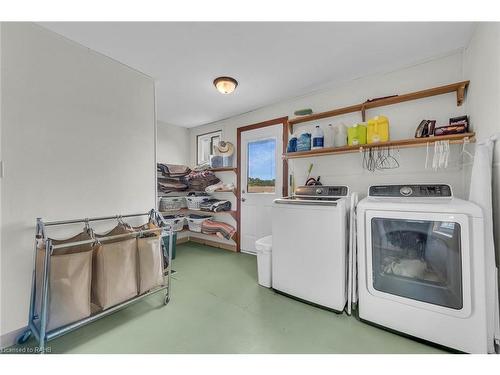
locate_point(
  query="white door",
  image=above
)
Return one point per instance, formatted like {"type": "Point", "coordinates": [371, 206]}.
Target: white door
{"type": "Point", "coordinates": [261, 182]}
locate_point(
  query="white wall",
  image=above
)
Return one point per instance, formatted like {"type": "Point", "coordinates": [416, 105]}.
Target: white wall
{"type": "Point", "coordinates": [1, 309]}
{"type": "Point", "coordinates": [172, 144]}
{"type": "Point", "coordinates": [404, 118]}
{"type": "Point", "coordinates": [482, 67]}
{"type": "Point", "coordinates": [77, 141]}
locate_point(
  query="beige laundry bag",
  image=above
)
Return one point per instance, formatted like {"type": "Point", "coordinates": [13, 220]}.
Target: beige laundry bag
{"type": "Point", "coordinates": [114, 272]}
{"type": "Point", "coordinates": [69, 282]}
{"type": "Point", "coordinates": [150, 259]}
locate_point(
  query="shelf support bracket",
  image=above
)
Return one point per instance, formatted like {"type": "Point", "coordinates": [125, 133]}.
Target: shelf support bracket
{"type": "Point", "coordinates": [460, 95]}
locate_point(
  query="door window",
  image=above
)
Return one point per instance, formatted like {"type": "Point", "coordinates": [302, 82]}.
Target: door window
{"type": "Point", "coordinates": [261, 169]}
{"type": "Point", "coordinates": [418, 259]}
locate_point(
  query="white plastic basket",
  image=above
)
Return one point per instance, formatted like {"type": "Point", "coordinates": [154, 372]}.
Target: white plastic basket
{"type": "Point", "coordinates": [195, 224]}
{"type": "Point", "coordinates": [176, 222]}
{"type": "Point", "coordinates": [193, 203]}
{"type": "Point", "coordinates": [171, 203]}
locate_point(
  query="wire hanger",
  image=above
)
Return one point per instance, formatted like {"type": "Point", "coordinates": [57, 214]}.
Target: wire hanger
{"type": "Point", "coordinates": [86, 227]}
{"type": "Point", "coordinates": [464, 150]}
{"type": "Point", "coordinates": [119, 218]}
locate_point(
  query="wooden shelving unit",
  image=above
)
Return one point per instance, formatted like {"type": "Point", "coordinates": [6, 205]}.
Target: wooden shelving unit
{"type": "Point", "coordinates": [216, 242]}
{"type": "Point", "coordinates": [402, 143]}
{"type": "Point", "coordinates": [207, 239]}
{"type": "Point", "coordinates": [224, 169]}
{"type": "Point", "coordinates": [458, 87]}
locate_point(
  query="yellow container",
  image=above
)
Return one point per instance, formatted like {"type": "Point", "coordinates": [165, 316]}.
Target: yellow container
{"type": "Point", "coordinates": [377, 129]}
{"type": "Point", "coordinates": [356, 135]}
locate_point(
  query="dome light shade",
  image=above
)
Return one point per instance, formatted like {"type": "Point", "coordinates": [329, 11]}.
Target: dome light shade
{"type": "Point", "coordinates": [225, 85]}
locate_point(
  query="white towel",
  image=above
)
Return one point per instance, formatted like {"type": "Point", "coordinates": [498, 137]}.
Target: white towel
{"type": "Point", "coordinates": [482, 195]}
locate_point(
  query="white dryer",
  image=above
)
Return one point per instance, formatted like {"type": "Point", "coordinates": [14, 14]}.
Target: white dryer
{"type": "Point", "coordinates": [422, 269]}
{"type": "Point", "coordinates": [310, 253]}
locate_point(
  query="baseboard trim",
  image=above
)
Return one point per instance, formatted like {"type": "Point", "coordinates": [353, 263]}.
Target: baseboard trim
{"type": "Point", "coordinates": [220, 245]}
{"type": "Point", "coordinates": [9, 338]}
{"type": "Point", "coordinates": [182, 240]}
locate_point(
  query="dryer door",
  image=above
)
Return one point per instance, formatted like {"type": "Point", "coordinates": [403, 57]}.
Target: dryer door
{"type": "Point", "coordinates": [420, 259]}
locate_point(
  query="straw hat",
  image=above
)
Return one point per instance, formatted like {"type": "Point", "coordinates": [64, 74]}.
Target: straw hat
{"type": "Point", "coordinates": [224, 148]}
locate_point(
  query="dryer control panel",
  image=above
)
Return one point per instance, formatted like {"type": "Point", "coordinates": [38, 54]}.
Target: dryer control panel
{"type": "Point", "coordinates": [414, 191]}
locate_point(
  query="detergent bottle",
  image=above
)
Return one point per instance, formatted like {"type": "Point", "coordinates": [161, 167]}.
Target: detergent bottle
{"type": "Point", "coordinates": [377, 129]}
{"type": "Point", "coordinates": [329, 136]}
{"type": "Point", "coordinates": [292, 144]}
{"type": "Point", "coordinates": [318, 138]}
{"type": "Point", "coordinates": [340, 135]}
{"type": "Point", "coordinates": [356, 135]}
{"type": "Point", "coordinates": [304, 142]}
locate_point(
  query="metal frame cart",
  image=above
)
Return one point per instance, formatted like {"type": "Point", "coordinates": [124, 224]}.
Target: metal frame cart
{"type": "Point", "coordinates": [37, 325]}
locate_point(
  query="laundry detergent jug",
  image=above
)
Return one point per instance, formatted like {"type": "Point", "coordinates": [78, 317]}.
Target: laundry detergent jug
{"type": "Point", "coordinates": [356, 135]}
{"type": "Point", "coordinates": [318, 138]}
{"type": "Point", "coordinates": [329, 136]}
{"type": "Point", "coordinates": [304, 142]}
{"type": "Point", "coordinates": [340, 135]}
{"type": "Point", "coordinates": [377, 129]}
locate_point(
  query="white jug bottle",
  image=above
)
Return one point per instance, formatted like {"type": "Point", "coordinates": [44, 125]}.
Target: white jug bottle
{"type": "Point", "coordinates": [317, 138]}
{"type": "Point", "coordinates": [340, 135]}
{"type": "Point", "coordinates": [329, 136]}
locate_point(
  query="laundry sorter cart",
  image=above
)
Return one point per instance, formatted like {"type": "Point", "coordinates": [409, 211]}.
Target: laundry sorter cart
{"type": "Point", "coordinates": [39, 311]}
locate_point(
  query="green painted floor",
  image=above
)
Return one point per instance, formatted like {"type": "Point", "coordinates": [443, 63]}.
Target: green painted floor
{"type": "Point", "coordinates": [217, 307]}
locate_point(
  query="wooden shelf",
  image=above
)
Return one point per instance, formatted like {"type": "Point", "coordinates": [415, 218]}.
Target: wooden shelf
{"type": "Point", "coordinates": [224, 191]}
{"type": "Point", "coordinates": [160, 195]}
{"type": "Point", "coordinates": [402, 143]}
{"type": "Point", "coordinates": [458, 87]}
{"type": "Point", "coordinates": [188, 211]}
{"type": "Point", "coordinates": [207, 239]}
{"type": "Point", "coordinates": [224, 169]}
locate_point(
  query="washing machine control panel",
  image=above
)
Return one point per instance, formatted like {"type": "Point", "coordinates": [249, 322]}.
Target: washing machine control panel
{"type": "Point", "coordinates": [419, 191]}
{"type": "Point", "coordinates": [322, 191]}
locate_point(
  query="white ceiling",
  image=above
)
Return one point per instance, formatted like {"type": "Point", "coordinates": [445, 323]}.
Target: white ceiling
{"type": "Point", "coordinates": [271, 61]}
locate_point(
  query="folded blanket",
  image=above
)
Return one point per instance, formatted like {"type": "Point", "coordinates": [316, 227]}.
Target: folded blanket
{"type": "Point", "coordinates": [168, 187]}
{"type": "Point", "coordinates": [218, 228]}
{"type": "Point", "coordinates": [219, 186]}
{"type": "Point", "coordinates": [200, 180]}
{"type": "Point", "coordinates": [202, 167]}
{"type": "Point", "coordinates": [215, 205]}
{"type": "Point", "coordinates": [173, 170]}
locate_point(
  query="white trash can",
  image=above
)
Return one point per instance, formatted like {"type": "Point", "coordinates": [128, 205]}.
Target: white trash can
{"type": "Point", "coordinates": [264, 248]}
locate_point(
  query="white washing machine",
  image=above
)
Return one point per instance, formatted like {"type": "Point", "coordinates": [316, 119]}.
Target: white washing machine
{"type": "Point", "coordinates": [422, 269]}
{"type": "Point", "coordinates": [311, 245]}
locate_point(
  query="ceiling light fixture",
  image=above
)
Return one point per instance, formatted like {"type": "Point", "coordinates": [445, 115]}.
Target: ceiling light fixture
{"type": "Point", "coordinates": [225, 85]}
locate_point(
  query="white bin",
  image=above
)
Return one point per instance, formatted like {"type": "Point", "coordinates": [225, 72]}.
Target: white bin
{"type": "Point", "coordinates": [264, 248]}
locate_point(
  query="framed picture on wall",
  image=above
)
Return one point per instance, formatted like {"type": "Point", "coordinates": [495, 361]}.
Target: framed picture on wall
{"type": "Point", "coordinates": [205, 145]}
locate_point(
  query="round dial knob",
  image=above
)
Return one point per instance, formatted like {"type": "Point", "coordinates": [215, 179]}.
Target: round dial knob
{"type": "Point", "coordinates": [319, 191]}
{"type": "Point", "coordinates": [406, 191]}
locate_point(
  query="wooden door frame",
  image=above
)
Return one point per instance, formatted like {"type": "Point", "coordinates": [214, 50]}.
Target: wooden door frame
{"type": "Point", "coordinates": [276, 121]}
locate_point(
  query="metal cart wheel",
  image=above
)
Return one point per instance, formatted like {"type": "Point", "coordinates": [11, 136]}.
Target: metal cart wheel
{"type": "Point", "coordinates": [166, 300]}
{"type": "Point", "coordinates": [23, 337]}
